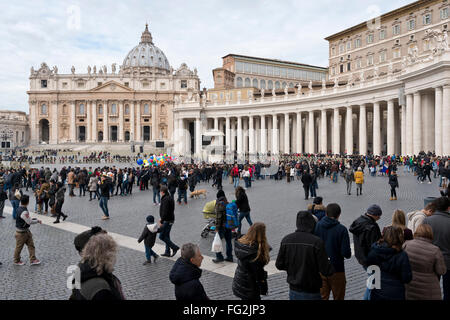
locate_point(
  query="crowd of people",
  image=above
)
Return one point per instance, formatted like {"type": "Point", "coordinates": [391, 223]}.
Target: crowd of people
{"type": "Point", "coordinates": [412, 253]}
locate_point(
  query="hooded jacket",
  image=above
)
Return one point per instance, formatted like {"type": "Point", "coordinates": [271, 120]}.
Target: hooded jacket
{"type": "Point", "coordinates": [415, 219]}
{"type": "Point", "coordinates": [319, 210]}
{"type": "Point", "coordinates": [220, 210]}
{"type": "Point", "coordinates": [365, 232]}
{"type": "Point", "coordinates": [395, 272]}
{"type": "Point", "coordinates": [148, 235]}
{"type": "Point", "coordinates": [186, 278]}
{"type": "Point", "coordinates": [440, 223]}
{"type": "Point", "coordinates": [167, 209]}
{"type": "Point", "coordinates": [337, 242]}
{"type": "Point", "coordinates": [303, 256]}
{"type": "Point", "coordinates": [249, 274]}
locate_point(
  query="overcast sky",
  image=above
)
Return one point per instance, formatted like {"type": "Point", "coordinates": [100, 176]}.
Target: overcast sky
{"type": "Point", "coordinates": [197, 32]}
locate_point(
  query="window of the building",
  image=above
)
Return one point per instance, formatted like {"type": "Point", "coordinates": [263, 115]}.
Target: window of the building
{"type": "Point", "coordinates": [239, 66]}
{"type": "Point", "coordinates": [358, 43]}
{"type": "Point", "coordinates": [333, 51]}
{"type": "Point", "coordinates": [254, 68]}
{"type": "Point", "coordinates": [396, 29]}
{"type": "Point", "coordinates": [283, 72]}
{"type": "Point", "coordinates": [297, 74]}
{"type": "Point", "coordinates": [411, 24]}
{"type": "Point", "coordinates": [44, 109]}
{"type": "Point", "coordinates": [262, 69]}
{"type": "Point", "coordinates": [370, 59]}
{"type": "Point", "coordinates": [247, 82]}
{"type": "Point", "coordinates": [396, 53]}
{"type": "Point", "coordinates": [370, 38]}
{"type": "Point", "coordinates": [283, 85]}
{"type": "Point", "coordinates": [163, 85]}
{"type": "Point", "coordinates": [269, 70]}
{"type": "Point", "coordinates": [333, 71]}
{"type": "Point", "coordinates": [43, 83]}
{"type": "Point", "coordinates": [349, 45]}
{"type": "Point", "coordinates": [382, 56]}
{"type": "Point", "coordinates": [263, 84]}
{"type": "Point", "coordinates": [239, 82]}
{"type": "Point", "coordinates": [99, 83]}
{"type": "Point", "coordinates": [348, 66]}
{"type": "Point", "coordinates": [145, 84]}
{"type": "Point", "coordinates": [276, 71]}
{"type": "Point", "coordinates": [358, 63]}
{"type": "Point", "coordinates": [113, 108]}
{"type": "Point", "coordinates": [127, 109]}
{"type": "Point", "coordinates": [277, 85]}
{"type": "Point", "coordinates": [341, 68]}
{"type": "Point", "coordinates": [183, 84]}
{"type": "Point", "coordinates": [290, 73]}
{"type": "Point", "coordinates": [341, 48]}
{"type": "Point", "coordinates": [427, 19]}
{"type": "Point", "coordinates": [270, 84]}
{"type": "Point", "coordinates": [444, 13]}
{"type": "Point", "coordinates": [82, 108]}
{"type": "Point", "coordinates": [382, 34]}
{"type": "Point", "coordinates": [64, 85]}
{"type": "Point", "coordinates": [80, 84]}
{"type": "Point", "coordinates": [100, 109]}
{"type": "Point", "coordinates": [127, 84]}
{"type": "Point", "coordinates": [255, 83]}
{"type": "Point", "coordinates": [248, 67]}
{"type": "Point", "coordinates": [146, 109]}
{"type": "Point", "coordinates": [426, 45]}
{"type": "Point", "coordinates": [221, 96]}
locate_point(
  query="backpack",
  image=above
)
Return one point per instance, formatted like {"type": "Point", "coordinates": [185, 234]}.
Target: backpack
{"type": "Point", "coordinates": [232, 220]}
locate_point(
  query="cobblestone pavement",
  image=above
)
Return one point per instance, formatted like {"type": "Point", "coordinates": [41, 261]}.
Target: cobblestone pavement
{"type": "Point", "coordinates": [272, 202]}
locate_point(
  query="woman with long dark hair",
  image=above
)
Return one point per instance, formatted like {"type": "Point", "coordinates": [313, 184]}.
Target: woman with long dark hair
{"type": "Point", "coordinates": [243, 207]}
{"type": "Point", "coordinates": [252, 252]}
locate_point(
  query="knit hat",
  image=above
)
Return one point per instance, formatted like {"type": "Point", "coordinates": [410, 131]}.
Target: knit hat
{"type": "Point", "coordinates": [374, 210]}
{"type": "Point", "coordinates": [83, 238]}
{"type": "Point", "coordinates": [150, 219]}
{"type": "Point", "coordinates": [220, 194]}
{"type": "Point", "coordinates": [317, 200]}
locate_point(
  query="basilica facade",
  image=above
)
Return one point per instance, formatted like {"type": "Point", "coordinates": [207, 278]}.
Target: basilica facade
{"type": "Point", "coordinates": [108, 106]}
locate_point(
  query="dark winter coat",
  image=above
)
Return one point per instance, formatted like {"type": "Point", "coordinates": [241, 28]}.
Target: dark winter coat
{"type": "Point", "coordinates": [249, 274]}
{"type": "Point", "coordinates": [393, 181]}
{"type": "Point", "coordinates": [220, 210]}
{"type": "Point", "coordinates": [242, 203]}
{"type": "Point", "coordinates": [395, 272]}
{"type": "Point", "coordinates": [167, 209]}
{"type": "Point", "coordinates": [440, 223]}
{"type": "Point", "coordinates": [337, 242]}
{"type": "Point", "coordinates": [148, 236]}
{"type": "Point", "coordinates": [306, 180]}
{"type": "Point", "coordinates": [303, 256]}
{"type": "Point", "coordinates": [318, 210]}
{"type": "Point", "coordinates": [186, 278]}
{"type": "Point", "coordinates": [365, 232]}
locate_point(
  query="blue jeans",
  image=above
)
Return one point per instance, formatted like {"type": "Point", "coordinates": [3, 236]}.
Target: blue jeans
{"type": "Point", "coordinates": [243, 215]}
{"type": "Point", "coordinates": [236, 182]}
{"type": "Point", "coordinates": [165, 237]}
{"type": "Point", "coordinates": [299, 295]}
{"type": "Point", "coordinates": [182, 194]}
{"type": "Point", "coordinates": [104, 205]}
{"type": "Point", "coordinates": [335, 176]}
{"type": "Point", "coordinates": [15, 205]}
{"type": "Point", "coordinates": [125, 187]}
{"type": "Point", "coordinates": [246, 182]}
{"type": "Point", "coordinates": [156, 194]}
{"type": "Point", "coordinates": [225, 233]}
{"type": "Point", "coordinates": [312, 190]}
{"type": "Point", "coordinates": [149, 253]}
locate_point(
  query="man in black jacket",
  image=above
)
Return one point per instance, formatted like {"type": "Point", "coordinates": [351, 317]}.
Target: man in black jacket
{"type": "Point", "coordinates": [166, 212]}
{"type": "Point", "coordinates": [306, 180]}
{"type": "Point", "coordinates": [303, 256]}
{"type": "Point", "coordinates": [186, 273]}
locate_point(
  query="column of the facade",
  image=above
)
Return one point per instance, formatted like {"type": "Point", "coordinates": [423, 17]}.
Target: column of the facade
{"type": "Point", "coordinates": [94, 135]}
{"type": "Point", "coordinates": [89, 121]}
{"type": "Point", "coordinates": [445, 119]}
{"type": "Point", "coordinates": [376, 129]}
{"type": "Point", "coordinates": [244, 136]}
{"type": "Point", "coordinates": [73, 127]}
{"type": "Point", "coordinates": [227, 134]}
{"type": "Point", "coordinates": [390, 128]}
{"type": "Point", "coordinates": [417, 119]}
{"type": "Point", "coordinates": [409, 124]}
{"type": "Point", "coordinates": [120, 126]}
{"type": "Point", "coordinates": [323, 131]}
{"type": "Point", "coordinates": [198, 137]}
{"type": "Point", "coordinates": [275, 134]}
{"type": "Point", "coordinates": [299, 133]}
{"type": "Point", "coordinates": [311, 137]}
{"type": "Point", "coordinates": [336, 132]}
{"type": "Point", "coordinates": [34, 135]}
{"type": "Point", "coordinates": [138, 129]}
{"type": "Point", "coordinates": [154, 129]}
{"type": "Point", "coordinates": [263, 132]}
{"type": "Point", "coordinates": [105, 122]}
{"type": "Point", "coordinates": [251, 136]}
{"type": "Point", "coordinates": [362, 130]}
{"type": "Point", "coordinates": [239, 136]}
{"type": "Point", "coordinates": [349, 131]}
{"type": "Point", "coordinates": [438, 120]}
{"type": "Point", "coordinates": [132, 121]}
{"type": "Point", "coordinates": [287, 136]}
{"type": "Point", "coordinates": [54, 123]}
{"type": "Point", "coordinates": [403, 131]}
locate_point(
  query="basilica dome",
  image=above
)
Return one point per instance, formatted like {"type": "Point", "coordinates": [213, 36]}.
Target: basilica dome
{"type": "Point", "coordinates": [146, 54]}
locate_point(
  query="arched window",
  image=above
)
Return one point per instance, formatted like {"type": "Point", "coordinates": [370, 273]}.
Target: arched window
{"type": "Point", "coordinates": [127, 109]}
{"type": "Point", "coordinates": [247, 82]}
{"type": "Point", "coordinates": [263, 84]}
{"type": "Point", "coordinates": [255, 83]}
{"type": "Point", "coordinates": [162, 109]}
{"type": "Point", "coordinates": [146, 109]}
{"type": "Point", "coordinates": [127, 136]}
{"type": "Point", "coordinates": [239, 82]}
{"type": "Point", "coordinates": [100, 109]}
{"type": "Point", "coordinates": [284, 85]}
{"type": "Point", "coordinates": [277, 85]}
{"type": "Point", "coordinates": [291, 85]}
{"type": "Point", "coordinates": [82, 108]}
{"type": "Point", "coordinates": [270, 84]}
{"type": "Point", "coordinates": [100, 136]}
{"type": "Point", "coordinates": [113, 108]}
{"type": "Point", "coordinates": [44, 109]}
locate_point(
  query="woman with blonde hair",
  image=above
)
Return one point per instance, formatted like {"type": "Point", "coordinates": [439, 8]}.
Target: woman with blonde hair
{"type": "Point", "coordinates": [427, 264]}
{"type": "Point", "coordinates": [252, 252]}
{"type": "Point", "coordinates": [98, 259]}
{"type": "Point", "coordinates": [399, 221]}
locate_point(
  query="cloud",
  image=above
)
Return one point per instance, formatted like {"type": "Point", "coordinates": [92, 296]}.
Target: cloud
{"type": "Point", "coordinates": [197, 32]}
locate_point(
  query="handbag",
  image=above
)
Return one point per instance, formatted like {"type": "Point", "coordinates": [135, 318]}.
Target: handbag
{"type": "Point", "coordinates": [217, 244]}
{"type": "Point", "coordinates": [17, 194]}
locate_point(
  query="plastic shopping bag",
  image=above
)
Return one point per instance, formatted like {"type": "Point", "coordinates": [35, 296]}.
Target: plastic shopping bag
{"type": "Point", "coordinates": [217, 244]}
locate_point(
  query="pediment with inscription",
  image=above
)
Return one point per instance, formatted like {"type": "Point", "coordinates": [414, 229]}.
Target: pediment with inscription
{"type": "Point", "coordinates": [112, 87]}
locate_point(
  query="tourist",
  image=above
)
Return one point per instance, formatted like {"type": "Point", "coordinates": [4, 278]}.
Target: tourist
{"type": "Point", "coordinates": [186, 273]}
{"type": "Point", "coordinates": [166, 212]}
{"type": "Point", "coordinates": [59, 202]}
{"type": "Point", "coordinates": [243, 207]}
{"type": "Point", "coordinates": [337, 245]}
{"type": "Point", "coordinates": [3, 197]}
{"type": "Point", "coordinates": [252, 252]}
{"type": "Point", "coordinates": [306, 180]}
{"type": "Point", "coordinates": [317, 208]}
{"type": "Point", "coordinates": [42, 196]}
{"type": "Point", "coordinates": [224, 232]}
{"type": "Point", "coordinates": [105, 188]}
{"type": "Point", "coordinates": [71, 182]}
{"type": "Point", "coordinates": [303, 256]}
{"type": "Point", "coordinates": [393, 182]}
{"type": "Point", "coordinates": [313, 186]}
{"type": "Point", "coordinates": [440, 224]}
{"type": "Point", "coordinates": [98, 259]}
{"type": "Point", "coordinates": [399, 221]}
{"type": "Point", "coordinates": [427, 264]}
{"type": "Point", "coordinates": [394, 265]}
{"type": "Point", "coordinates": [416, 218]}
{"type": "Point", "coordinates": [349, 177]}
{"type": "Point", "coordinates": [359, 180]}
{"type": "Point", "coordinates": [23, 233]}
{"type": "Point", "coordinates": [182, 188]}
{"type": "Point", "coordinates": [81, 178]}
{"type": "Point", "coordinates": [235, 175]}
{"type": "Point", "coordinates": [52, 195]}
{"type": "Point", "coordinates": [149, 237]}
{"type": "Point", "coordinates": [93, 186]}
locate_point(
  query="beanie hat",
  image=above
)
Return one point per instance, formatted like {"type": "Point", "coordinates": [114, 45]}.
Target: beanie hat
{"type": "Point", "coordinates": [374, 210]}
{"type": "Point", "coordinates": [220, 194]}
{"type": "Point", "coordinates": [317, 200]}
{"type": "Point", "coordinates": [83, 238]}
{"type": "Point", "coordinates": [150, 219]}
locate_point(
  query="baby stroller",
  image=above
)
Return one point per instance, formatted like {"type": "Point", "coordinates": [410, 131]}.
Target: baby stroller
{"type": "Point", "coordinates": [210, 215]}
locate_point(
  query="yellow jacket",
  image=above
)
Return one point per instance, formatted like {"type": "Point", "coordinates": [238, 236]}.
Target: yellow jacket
{"type": "Point", "coordinates": [359, 177]}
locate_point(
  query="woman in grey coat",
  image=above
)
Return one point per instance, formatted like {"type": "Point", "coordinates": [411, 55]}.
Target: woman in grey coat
{"type": "Point", "coordinates": [427, 264]}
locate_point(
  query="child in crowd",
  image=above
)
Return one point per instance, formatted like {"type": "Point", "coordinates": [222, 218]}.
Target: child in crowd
{"type": "Point", "coordinates": [149, 237]}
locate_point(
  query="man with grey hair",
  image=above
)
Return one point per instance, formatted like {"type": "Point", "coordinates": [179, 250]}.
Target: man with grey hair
{"type": "Point", "coordinates": [186, 273]}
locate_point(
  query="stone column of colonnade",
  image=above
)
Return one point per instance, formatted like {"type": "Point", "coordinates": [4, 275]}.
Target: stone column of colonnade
{"type": "Point", "coordinates": [445, 120]}
{"type": "Point", "coordinates": [93, 125]}
{"type": "Point", "coordinates": [89, 121]}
